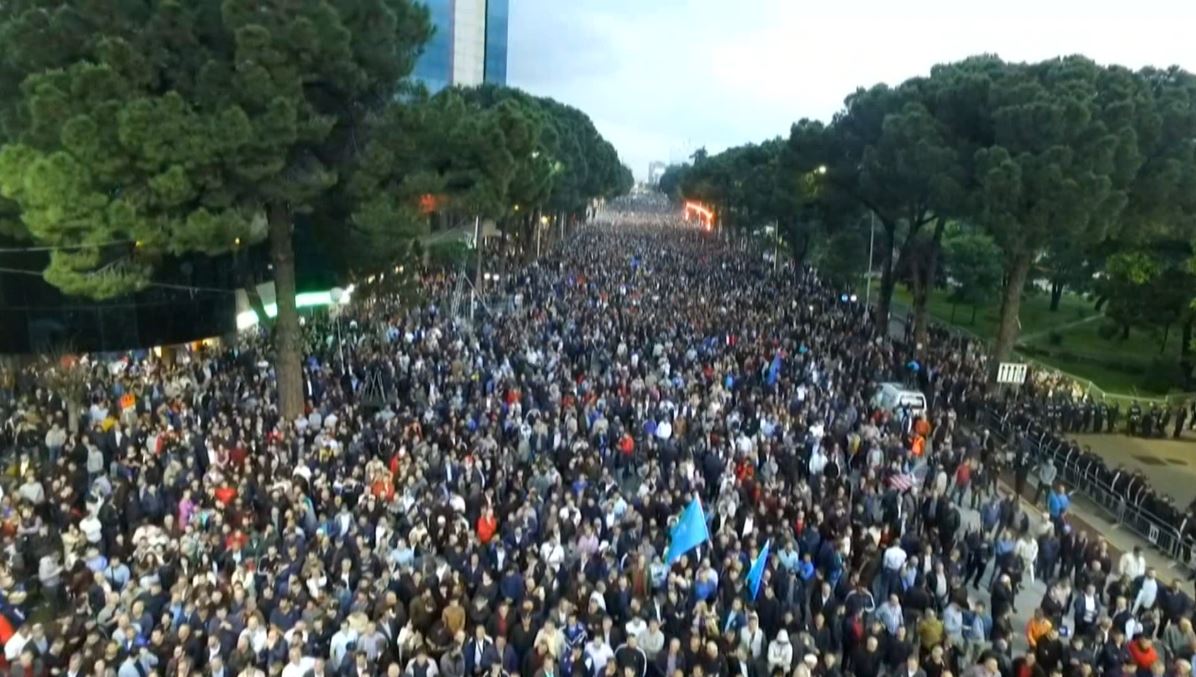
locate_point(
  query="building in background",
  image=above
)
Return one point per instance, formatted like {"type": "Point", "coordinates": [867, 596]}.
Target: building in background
{"type": "Point", "coordinates": [655, 171]}
{"type": "Point", "coordinates": [468, 46]}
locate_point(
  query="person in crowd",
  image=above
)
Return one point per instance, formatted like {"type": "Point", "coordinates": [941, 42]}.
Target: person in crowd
{"type": "Point", "coordinates": [502, 495]}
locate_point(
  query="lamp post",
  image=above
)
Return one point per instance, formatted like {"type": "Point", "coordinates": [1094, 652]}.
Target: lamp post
{"type": "Point", "coordinates": [477, 253]}
{"type": "Point", "coordinates": [338, 296]}
{"type": "Point", "coordinates": [871, 240]}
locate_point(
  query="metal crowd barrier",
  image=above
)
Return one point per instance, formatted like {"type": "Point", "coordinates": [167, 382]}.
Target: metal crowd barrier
{"type": "Point", "coordinates": [1119, 496]}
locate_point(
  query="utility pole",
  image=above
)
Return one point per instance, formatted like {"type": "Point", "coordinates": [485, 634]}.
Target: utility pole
{"type": "Point", "coordinates": [871, 240]}
{"type": "Point", "coordinates": [477, 277]}
{"type": "Point", "coordinates": [538, 226]}
{"type": "Point", "coordinates": [776, 245]}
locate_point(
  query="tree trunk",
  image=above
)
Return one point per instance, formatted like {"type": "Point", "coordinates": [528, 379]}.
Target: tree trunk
{"type": "Point", "coordinates": [1166, 336]}
{"type": "Point", "coordinates": [255, 302]}
{"type": "Point", "coordinates": [287, 338]}
{"type": "Point", "coordinates": [1056, 295]}
{"type": "Point", "coordinates": [1011, 303]}
{"type": "Point", "coordinates": [245, 279]}
{"type": "Point", "coordinates": [923, 278]}
{"type": "Point", "coordinates": [1125, 331]}
{"type": "Point", "coordinates": [887, 279]}
{"type": "Point", "coordinates": [1185, 348]}
{"type": "Point", "coordinates": [801, 248]}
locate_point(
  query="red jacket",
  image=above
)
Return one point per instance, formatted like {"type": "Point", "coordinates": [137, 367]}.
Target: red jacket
{"type": "Point", "coordinates": [1143, 656]}
{"type": "Point", "coordinates": [486, 528]}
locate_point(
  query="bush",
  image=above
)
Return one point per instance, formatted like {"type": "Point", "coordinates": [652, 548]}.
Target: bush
{"type": "Point", "coordinates": [1055, 338]}
{"type": "Point", "coordinates": [1108, 330]}
{"type": "Point", "coordinates": [1163, 375]}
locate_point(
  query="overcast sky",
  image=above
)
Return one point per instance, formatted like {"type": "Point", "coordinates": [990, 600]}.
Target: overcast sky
{"type": "Point", "coordinates": [663, 77]}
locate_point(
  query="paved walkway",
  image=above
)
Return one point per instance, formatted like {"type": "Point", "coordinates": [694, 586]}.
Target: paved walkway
{"type": "Point", "coordinates": [1085, 515]}
{"type": "Point", "coordinates": [1169, 465]}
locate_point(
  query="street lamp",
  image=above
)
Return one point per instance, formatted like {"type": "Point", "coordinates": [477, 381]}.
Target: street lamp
{"type": "Point", "coordinates": [821, 169]}
{"type": "Point", "coordinates": [868, 281]}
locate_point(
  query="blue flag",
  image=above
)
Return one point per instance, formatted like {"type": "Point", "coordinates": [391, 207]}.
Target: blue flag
{"type": "Point", "coordinates": [756, 573]}
{"type": "Point", "coordinates": [689, 532]}
{"type": "Point", "coordinates": [774, 369]}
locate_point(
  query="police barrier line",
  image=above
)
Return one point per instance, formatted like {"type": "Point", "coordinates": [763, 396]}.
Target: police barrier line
{"type": "Point", "coordinates": [1119, 497]}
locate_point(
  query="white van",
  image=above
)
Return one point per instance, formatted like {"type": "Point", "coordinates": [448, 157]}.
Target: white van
{"type": "Point", "coordinates": [894, 397]}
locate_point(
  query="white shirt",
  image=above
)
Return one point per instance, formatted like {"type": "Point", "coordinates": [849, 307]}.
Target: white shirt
{"type": "Point", "coordinates": [1147, 595]}
{"type": "Point", "coordinates": [1132, 565]}
{"type": "Point", "coordinates": [14, 646]}
{"type": "Point", "coordinates": [299, 669]}
{"type": "Point", "coordinates": [895, 558]}
{"type": "Point", "coordinates": [601, 653]}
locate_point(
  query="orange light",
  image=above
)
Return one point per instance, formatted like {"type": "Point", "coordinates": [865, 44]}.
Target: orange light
{"type": "Point", "coordinates": [705, 215]}
{"type": "Point", "coordinates": [429, 203]}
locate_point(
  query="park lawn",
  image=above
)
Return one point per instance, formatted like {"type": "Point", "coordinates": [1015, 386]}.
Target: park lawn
{"type": "Point", "coordinates": [1036, 315]}
{"type": "Point", "coordinates": [1088, 355]}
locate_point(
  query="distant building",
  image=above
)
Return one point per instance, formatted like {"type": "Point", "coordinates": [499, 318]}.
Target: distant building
{"type": "Point", "coordinates": [468, 46]}
{"type": "Point", "coordinates": [655, 171]}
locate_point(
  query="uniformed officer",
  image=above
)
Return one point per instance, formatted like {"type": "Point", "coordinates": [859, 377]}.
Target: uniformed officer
{"type": "Point", "coordinates": [1135, 418]}
{"type": "Point", "coordinates": [1148, 422]}
{"type": "Point", "coordinates": [1181, 417]}
{"type": "Point", "coordinates": [1114, 414]}
{"type": "Point", "coordinates": [1100, 412]}
{"type": "Point", "coordinates": [1086, 418]}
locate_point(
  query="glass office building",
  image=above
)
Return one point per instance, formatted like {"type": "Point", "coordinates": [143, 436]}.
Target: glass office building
{"type": "Point", "coordinates": [435, 65]}
{"type": "Point", "coordinates": [496, 42]}
{"type": "Point", "coordinates": [468, 46]}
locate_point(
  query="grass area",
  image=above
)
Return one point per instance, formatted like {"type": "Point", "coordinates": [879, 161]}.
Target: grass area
{"type": "Point", "coordinates": [1067, 339]}
{"type": "Point", "coordinates": [1036, 315]}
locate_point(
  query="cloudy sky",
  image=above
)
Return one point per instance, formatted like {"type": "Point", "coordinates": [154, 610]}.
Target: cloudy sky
{"type": "Point", "coordinates": [663, 77]}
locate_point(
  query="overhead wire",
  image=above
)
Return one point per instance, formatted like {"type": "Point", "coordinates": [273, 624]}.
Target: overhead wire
{"type": "Point", "coordinates": [159, 285]}
{"type": "Point", "coordinates": [50, 248]}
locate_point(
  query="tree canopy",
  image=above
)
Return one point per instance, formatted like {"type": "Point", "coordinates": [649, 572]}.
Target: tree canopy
{"type": "Point", "coordinates": [133, 133]}
{"type": "Point", "coordinates": [1065, 166]}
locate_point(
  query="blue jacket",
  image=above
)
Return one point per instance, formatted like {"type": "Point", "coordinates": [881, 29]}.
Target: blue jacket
{"type": "Point", "coordinates": [1057, 504]}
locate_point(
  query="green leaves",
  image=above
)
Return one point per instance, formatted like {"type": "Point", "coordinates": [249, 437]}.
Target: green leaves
{"type": "Point", "coordinates": [177, 125]}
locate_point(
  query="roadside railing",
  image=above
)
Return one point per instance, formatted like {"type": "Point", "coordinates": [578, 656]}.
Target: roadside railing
{"type": "Point", "coordinates": [1119, 495]}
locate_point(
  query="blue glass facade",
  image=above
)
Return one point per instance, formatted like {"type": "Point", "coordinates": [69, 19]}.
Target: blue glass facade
{"type": "Point", "coordinates": [435, 65]}
{"type": "Point", "coordinates": [496, 41]}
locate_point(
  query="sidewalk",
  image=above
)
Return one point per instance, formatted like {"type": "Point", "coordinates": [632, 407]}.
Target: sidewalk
{"type": "Point", "coordinates": [1085, 516]}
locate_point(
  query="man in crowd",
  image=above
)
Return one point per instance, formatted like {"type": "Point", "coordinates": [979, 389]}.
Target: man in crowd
{"type": "Point", "coordinates": [501, 479]}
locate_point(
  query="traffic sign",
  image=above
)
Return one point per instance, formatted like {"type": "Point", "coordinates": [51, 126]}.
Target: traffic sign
{"type": "Point", "coordinates": [1011, 372]}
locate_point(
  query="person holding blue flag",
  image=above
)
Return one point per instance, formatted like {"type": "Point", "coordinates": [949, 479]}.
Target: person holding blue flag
{"type": "Point", "coordinates": [774, 369]}
{"type": "Point", "coordinates": [756, 574]}
{"type": "Point", "coordinates": [689, 532]}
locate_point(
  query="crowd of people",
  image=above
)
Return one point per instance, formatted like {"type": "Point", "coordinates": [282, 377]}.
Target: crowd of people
{"type": "Point", "coordinates": [496, 497]}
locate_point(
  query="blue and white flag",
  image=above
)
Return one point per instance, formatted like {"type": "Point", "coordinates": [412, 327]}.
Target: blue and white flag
{"type": "Point", "coordinates": [689, 532]}
{"type": "Point", "coordinates": [756, 573]}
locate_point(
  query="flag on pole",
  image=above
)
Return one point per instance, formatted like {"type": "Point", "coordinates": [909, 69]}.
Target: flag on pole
{"type": "Point", "coordinates": [756, 573]}
{"type": "Point", "coordinates": [774, 369]}
{"type": "Point", "coordinates": [688, 533]}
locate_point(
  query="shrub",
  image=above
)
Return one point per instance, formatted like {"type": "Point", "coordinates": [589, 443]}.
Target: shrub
{"type": "Point", "coordinates": [1108, 330]}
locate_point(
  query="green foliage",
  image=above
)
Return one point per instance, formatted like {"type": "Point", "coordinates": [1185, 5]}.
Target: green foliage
{"type": "Point", "coordinates": [973, 264]}
{"type": "Point", "coordinates": [562, 162]}
{"type": "Point", "coordinates": [844, 259]}
{"type": "Point", "coordinates": [1150, 288]}
{"type": "Point", "coordinates": [179, 126]}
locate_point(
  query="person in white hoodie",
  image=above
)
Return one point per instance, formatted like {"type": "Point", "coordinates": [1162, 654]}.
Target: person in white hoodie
{"type": "Point", "coordinates": [780, 652]}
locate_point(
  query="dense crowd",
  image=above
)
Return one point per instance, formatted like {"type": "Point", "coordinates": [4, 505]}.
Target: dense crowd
{"type": "Point", "coordinates": [496, 497]}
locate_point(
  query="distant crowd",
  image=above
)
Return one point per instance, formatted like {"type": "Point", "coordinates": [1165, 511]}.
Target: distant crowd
{"type": "Point", "coordinates": [497, 497]}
